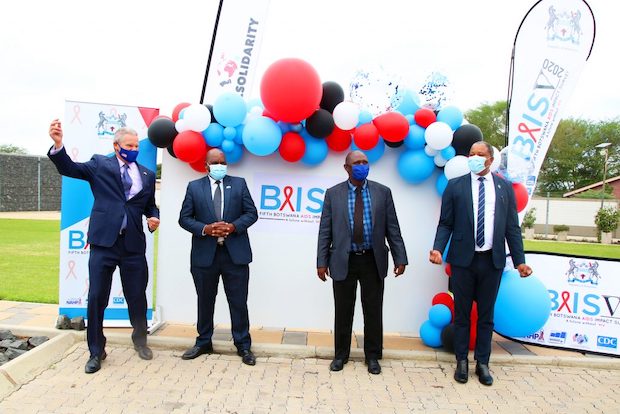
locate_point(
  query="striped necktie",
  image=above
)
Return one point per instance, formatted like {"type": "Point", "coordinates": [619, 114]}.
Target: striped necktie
{"type": "Point", "coordinates": [480, 226]}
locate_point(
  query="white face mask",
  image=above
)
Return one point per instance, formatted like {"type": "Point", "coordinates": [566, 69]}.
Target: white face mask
{"type": "Point", "coordinates": [476, 163]}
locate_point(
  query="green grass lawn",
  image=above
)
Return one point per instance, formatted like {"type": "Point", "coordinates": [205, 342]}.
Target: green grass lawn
{"type": "Point", "coordinates": [607, 251]}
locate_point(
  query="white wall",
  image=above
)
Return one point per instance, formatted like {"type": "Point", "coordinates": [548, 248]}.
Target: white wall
{"type": "Point", "coordinates": [569, 211]}
{"type": "Point", "coordinates": [284, 289]}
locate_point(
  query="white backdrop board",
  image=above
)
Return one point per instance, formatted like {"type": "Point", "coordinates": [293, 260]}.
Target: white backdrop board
{"type": "Point", "coordinates": [284, 289]}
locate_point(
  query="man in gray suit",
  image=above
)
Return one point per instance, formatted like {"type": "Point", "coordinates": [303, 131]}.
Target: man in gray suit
{"type": "Point", "coordinates": [358, 216]}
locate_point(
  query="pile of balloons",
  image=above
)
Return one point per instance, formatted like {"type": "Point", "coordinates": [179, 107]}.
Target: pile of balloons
{"type": "Point", "coordinates": [301, 119]}
{"type": "Point", "coordinates": [438, 330]}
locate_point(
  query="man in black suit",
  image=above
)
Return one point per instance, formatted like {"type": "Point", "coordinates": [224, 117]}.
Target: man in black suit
{"type": "Point", "coordinates": [479, 232]}
{"type": "Point", "coordinates": [358, 216]}
{"type": "Point", "coordinates": [217, 210]}
{"type": "Point", "coordinates": [124, 191]}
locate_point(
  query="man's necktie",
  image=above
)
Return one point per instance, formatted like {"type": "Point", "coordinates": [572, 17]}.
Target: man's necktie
{"type": "Point", "coordinates": [358, 217]}
{"type": "Point", "coordinates": [480, 226]}
{"type": "Point", "coordinates": [217, 201]}
{"type": "Point", "coordinates": [127, 182]}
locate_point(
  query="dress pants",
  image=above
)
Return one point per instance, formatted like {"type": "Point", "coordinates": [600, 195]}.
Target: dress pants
{"type": "Point", "coordinates": [235, 278]}
{"type": "Point", "coordinates": [134, 278]}
{"type": "Point", "coordinates": [362, 268]}
{"type": "Point", "coordinates": [479, 282]}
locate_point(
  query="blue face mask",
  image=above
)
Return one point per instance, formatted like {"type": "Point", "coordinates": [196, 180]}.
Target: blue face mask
{"type": "Point", "coordinates": [360, 171]}
{"type": "Point", "coordinates": [128, 155]}
{"type": "Point", "coordinates": [476, 163]}
{"type": "Point", "coordinates": [217, 171]}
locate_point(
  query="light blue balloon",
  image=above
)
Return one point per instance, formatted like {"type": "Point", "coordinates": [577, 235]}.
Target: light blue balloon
{"type": "Point", "coordinates": [298, 127]}
{"type": "Point", "coordinates": [522, 306]}
{"type": "Point", "coordinates": [235, 155]}
{"type": "Point", "coordinates": [214, 134]}
{"type": "Point", "coordinates": [239, 136]}
{"type": "Point", "coordinates": [229, 133]}
{"type": "Point", "coordinates": [228, 145]}
{"type": "Point", "coordinates": [452, 116]}
{"type": "Point", "coordinates": [448, 152]}
{"type": "Point", "coordinates": [415, 166]}
{"type": "Point", "coordinates": [440, 316]}
{"type": "Point", "coordinates": [262, 136]}
{"type": "Point", "coordinates": [255, 102]}
{"type": "Point", "coordinates": [373, 154]}
{"type": "Point", "coordinates": [410, 118]}
{"type": "Point", "coordinates": [430, 334]}
{"type": "Point", "coordinates": [365, 117]}
{"type": "Point", "coordinates": [415, 137]}
{"type": "Point", "coordinates": [444, 257]}
{"type": "Point", "coordinates": [229, 109]}
{"type": "Point", "coordinates": [409, 104]}
{"type": "Point", "coordinates": [441, 184]}
{"type": "Point", "coordinates": [316, 149]}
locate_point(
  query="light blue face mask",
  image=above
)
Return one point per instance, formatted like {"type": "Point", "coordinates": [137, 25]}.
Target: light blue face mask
{"type": "Point", "coordinates": [476, 163]}
{"type": "Point", "coordinates": [217, 171]}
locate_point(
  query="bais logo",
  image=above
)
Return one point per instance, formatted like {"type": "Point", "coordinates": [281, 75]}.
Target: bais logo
{"type": "Point", "coordinates": [580, 339]}
{"type": "Point", "coordinates": [538, 336]}
{"type": "Point", "coordinates": [118, 300]}
{"type": "Point", "coordinates": [583, 272]}
{"type": "Point", "coordinates": [74, 301]}
{"type": "Point", "coordinates": [607, 342]}
{"type": "Point", "coordinates": [557, 337]}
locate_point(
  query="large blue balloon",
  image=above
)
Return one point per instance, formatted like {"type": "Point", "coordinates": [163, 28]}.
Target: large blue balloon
{"type": "Point", "coordinates": [440, 316]}
{"type": "Point", "coordinates": [415, 166]}
{"type": "Point", "coordinates": [214, 134]}
{"type": "Point", "coordinates": [430, 334]}
{"type": "Point", "coordinates": [229, 109]}
{"type": "Point", "coordinates": [262, 136]}
{"type": "Point", "coordinates": [452, 116]}
{"type": "Point", "coordinates": [522, 306]}
{"type": "Point", "coordinates": [415, 137]}
{"type": "Point", "coordinates": [235, 154]}
{"type": "Point", "coordinates": [365, 117]}
{"type": "Point", "coordinates": [316, 149]}
{"type": "Point", "coordinates": [373, 154]}
{"type": "Point", "coordinates": [409, 103]}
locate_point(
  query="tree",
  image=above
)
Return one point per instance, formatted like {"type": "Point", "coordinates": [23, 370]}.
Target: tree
{"type": "Point", "coordinates": [12, 149]}
{"type": "Point", "coordinates": [491, 119]}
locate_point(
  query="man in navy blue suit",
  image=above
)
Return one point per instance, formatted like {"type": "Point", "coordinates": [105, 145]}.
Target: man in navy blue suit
{"type": "Point", "coordinates": [124, 191]}
{"type": "Point", "coordinates": [479, 216]}
{"type": "Point", "coordinates": [217, 210]}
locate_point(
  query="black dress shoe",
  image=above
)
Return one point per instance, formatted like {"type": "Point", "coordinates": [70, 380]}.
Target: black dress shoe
{"type": "Point", "coordinates": [373, 366]}
{"type": "Point", "coordinates": [337, 364]}
{"type": "Point", "coordinates": [483, 373]}
{"type": "Point", "coordinates": [104, 355]}
{"type": "Point", "coordinates": [196, 351]}
{"type": "Point", "coordinates": [93, 365]}
{"type": "Point", "coordinates": [144, 351]}
{"type": "Point", "coordinates": [461, 374]}
{"type": "Point", "coordinates": [247, 357]}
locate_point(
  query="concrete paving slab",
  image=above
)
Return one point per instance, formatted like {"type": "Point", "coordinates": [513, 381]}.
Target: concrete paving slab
{"type": "Point", "coordinates": [295, 338]}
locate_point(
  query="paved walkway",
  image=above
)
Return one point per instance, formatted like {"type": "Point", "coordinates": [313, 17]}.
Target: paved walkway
{"type": "Point", "coordinates": [415, 378]}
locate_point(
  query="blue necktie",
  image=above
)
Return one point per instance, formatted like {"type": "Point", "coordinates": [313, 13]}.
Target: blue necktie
{"type": "Point", "coordinates": [480, 226]}
{"type": "Point", "coordinates": [127, 182]}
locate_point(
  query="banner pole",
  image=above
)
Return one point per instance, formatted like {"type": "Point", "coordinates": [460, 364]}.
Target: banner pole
{"type": "Point", "coordinates": [217, 21]}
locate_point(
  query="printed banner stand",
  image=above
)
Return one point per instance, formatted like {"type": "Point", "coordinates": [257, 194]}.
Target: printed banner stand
{"type": "Point", "coordinates": [89, 129]}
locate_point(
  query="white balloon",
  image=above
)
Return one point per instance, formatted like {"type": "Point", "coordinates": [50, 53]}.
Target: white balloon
{"type": "Point", "coordinates": [438, 135]}
{"type": "Point", "coordinates": [197, 117]}
{"type": "Point", "coordinates": [439, 160]}
{"type": "Point", "coordinates": [181, 126]}
{"type": "Point", "coordinates": [497, 159]}
{"type": "Point", "coordinates": [456, 167]}
{"type": "Point", "coordinates": [431, 152]}
{"type": "Point", "coordinates": [346, 115]}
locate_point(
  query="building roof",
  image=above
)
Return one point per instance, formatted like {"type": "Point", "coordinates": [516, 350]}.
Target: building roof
{"type": "Point", "coordinates": [591, 186]}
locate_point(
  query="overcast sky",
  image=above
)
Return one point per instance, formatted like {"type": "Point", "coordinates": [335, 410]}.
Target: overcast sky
{"type": "Point", "coordinates": [154, 53]}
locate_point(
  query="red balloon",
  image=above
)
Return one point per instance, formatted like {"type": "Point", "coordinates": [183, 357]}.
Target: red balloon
{"type": "Point", "coordinates": [520, 195]}
{"type": "Point", "coordinates": [473, 327]}
{"type": "Point", "coordinates": [177, 110]}
{"type": "Point", "coordinates": [424, 117]}
{"type": "Point", "coordinates": [291, 89]}
{"type": "Point", "coordinates": [448, 269]}
{"type": "Point", "coordinates": [200, 165]}
{"type": "Point", "coordinates": [338, 140]}
{"type": "Point", "coordinates": [444, 298]}
{"type": "Point", "coordinates": [189, 146]}
{"type": "Point", "coordinates": [392, 126]}
{"type": "Point", "coordinates": [293, 147]}
{"type": "Point", "coordinates": [366, 136]}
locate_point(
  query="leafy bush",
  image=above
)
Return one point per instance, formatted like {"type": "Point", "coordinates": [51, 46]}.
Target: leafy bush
{"type": "Point", "coordinates": [529, 219]}
{"type": "Point", "coordinates": [607, 219]}
{"type": "Point", "coordinates": [560, 228]}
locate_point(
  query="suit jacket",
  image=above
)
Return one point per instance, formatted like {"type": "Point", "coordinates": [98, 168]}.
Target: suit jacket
{"type": "Point", "coordinates": [334, 244]}
{"type": "Point", "coordinates": [457, 220]}
{"type": "Point", "coordinates": [104, 176]}
{"type": "Point", "coordinates": [197, 211]}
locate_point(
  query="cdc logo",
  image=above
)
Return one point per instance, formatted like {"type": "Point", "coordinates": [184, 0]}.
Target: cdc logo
{"type": "Point", "coordinates": [118, 300]}
{"type": "Point", "coordinates": [289, 199]}
{"type": "Point", "coordinates": [607, 342]}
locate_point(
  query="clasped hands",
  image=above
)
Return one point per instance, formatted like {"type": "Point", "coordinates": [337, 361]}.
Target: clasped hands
{"type": "Point", "coordinates": [218, 229]}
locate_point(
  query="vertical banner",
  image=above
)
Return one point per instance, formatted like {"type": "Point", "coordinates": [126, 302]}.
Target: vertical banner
{"type": "Point", "coordinates": [89, 129]}
{"type": "Point", "coordinates": [585, 303]}
{"type": "Point", "coordinates": [550, 50]}
{"type": "Point", "coordinates": [235, 49]}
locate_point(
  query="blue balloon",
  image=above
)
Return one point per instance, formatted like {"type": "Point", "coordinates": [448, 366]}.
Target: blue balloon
{"type": "Point", "coordinates": [229, 133]}
{"type": "Point", "coordinates": [284, 126]}
{"type": "Point", "coordinates": [228, 145]}
{"type": "Point", "coordinates": [430, 334]}
{"type": "Point", "coordinates": [262, 136]}
{"type": "Point", "coordinates": [214, 134]}
{"type": "Point", "coordinates": [365, 117]}
{"type": "Point", "coordinates": [452, 116]}
{"type": "Point", "coordinates": [239, 136]}
{"type": "Point", "coordinates": [316, 149]}
{"type": "Point", "coordinates": [410, 118]}
{"type": "Point", "coordinates": [439, 315]}
{"type": "Point", "coordinates": [448, 152]}
{"type": "Point", "coordinates": [415, 137]}
{"type": "Point", "coordinates": [445, 251]}
{"type": "Point", "coordinates": [415, 166]}
{"type": "Point", "coordinates": [297, 127]}
{"type": "Point", "coordinates": [522, 306]}
{"type": "Point", "coordinates": [373, 154]}
{"type": "Point", "coordinates": [441, 184]}
{"type": "Point", "coordinates": [255, 102]}
{"type": "Point", "coordinates": [409, 104]}
{"type": "Point", "coordinates": [230, 109]}
{"type": "Point", "coordinates": [235, 154]}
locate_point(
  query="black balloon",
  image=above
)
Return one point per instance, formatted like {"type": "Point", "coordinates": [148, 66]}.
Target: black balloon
{"type": "Point", "coordinates": [210, 108]}
{"type": "Point", "coordinates": [332, 96]}
{"type": "Point", "coordinates": [464, 137]}
{"type": "Point", "coordinates": [320, 124]}
{"type": "Point", "coordinates": [171, 150]}
{"type": "Point", "coordinates": [394, 144]}
{"type": "Point", "coordinates": [161, 132]}
{"type": "Point", "coordinates": [447, 338]}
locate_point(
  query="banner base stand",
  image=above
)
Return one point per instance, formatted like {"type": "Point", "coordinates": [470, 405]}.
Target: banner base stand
{"type": "Point", "coordinates": [156, 323]}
